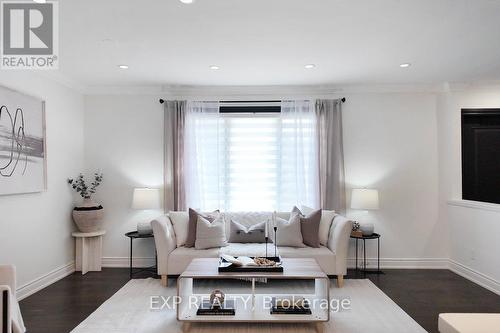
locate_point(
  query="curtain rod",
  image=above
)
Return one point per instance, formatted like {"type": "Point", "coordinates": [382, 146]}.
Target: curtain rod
{"type": "Point", "coordinates": [343, 99]}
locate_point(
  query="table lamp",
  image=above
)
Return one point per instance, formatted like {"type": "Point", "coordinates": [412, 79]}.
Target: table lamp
{"type": "Point", "coordinates": [365, 199]}
{"type": "Point", "coordinates": [145, 199]}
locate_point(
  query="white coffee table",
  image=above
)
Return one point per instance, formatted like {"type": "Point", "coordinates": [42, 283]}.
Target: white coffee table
{"type": "Point", "coordinates": [254, 310]}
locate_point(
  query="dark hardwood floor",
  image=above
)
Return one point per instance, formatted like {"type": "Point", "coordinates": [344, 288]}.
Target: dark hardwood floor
{"type": "Point", "coordinates": [423, 294]}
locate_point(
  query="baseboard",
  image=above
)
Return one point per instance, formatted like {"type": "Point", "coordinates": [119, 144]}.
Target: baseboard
{"type": "Point", "coordinates": [125, 262]}
{"type": "Point", "coordinates": [46, 280]}
{"type": "Point", "coordinates": [475, 276]}
{"type": "Point", "coordinates": [402, 263]}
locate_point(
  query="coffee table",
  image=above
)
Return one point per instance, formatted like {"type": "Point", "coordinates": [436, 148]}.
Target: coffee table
{"type": "Point", "coordinates": [251, 307]}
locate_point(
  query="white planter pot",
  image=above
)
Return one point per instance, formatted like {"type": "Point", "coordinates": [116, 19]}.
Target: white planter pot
{"type": "Point", "coordinates": [88, 216]}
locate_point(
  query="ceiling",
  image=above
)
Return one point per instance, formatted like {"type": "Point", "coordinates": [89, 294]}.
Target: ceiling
{"type": "Point", "coordinates": [268, 42]}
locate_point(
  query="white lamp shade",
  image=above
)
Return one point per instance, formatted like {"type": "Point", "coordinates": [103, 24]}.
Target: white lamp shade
{"type": "Point", "coordinates": [146, 198]}
{"type": "Point", "coordinates": [365, 199]}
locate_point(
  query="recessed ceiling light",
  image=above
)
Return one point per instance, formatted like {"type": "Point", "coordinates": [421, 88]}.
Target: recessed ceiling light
{"type": "Point", "coordinates": [187, 1]}
{"type": "Point", "coordinates": [214, 67]}
{"type": "Point", "coordinates": [405, 65]}
{"type": "Point", "coordinates": [123, 66]}
{"type": "Point", "coordinates": [40, 1]}
{"type": "Point", "coordinates": [310, 66]}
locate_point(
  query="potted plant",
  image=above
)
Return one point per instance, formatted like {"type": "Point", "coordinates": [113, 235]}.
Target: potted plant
{"type": "Point", "coordinates": [87, 216]}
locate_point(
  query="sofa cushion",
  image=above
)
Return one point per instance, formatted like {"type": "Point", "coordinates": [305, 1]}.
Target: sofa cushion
{"type": "Point", "coordinates": [181, 257]}
{"type": "Point", "coordinates": [288, 232]}
{"type": "Point", "coordinates": [245, 218]}
{"type": "Point", "coordinates": [253, 234]}
{"type": "Point", "coordinates": [323, 255]}
{"type": "Point", "coordinates": [193, 220]}
{"type": "Point", "coordinates": [309, 226]}
{"type": "Point", "coordinates": [210, 234]}
{"type": "Point", "coordinates": [180, 222]}
{"type": "Point", "coordinates": [325, 225]}
{"type": "Point", "coordinates": [248, 249]}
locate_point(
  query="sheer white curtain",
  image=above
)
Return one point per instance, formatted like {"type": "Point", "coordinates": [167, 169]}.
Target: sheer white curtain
{"type": "Point", "coordinates": [298, 177]}
{"type": "Point", "coordinates": [203, 168]}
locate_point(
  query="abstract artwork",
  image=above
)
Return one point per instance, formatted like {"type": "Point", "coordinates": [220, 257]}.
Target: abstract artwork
{"type": "Point", "coordinates": [22, 143]}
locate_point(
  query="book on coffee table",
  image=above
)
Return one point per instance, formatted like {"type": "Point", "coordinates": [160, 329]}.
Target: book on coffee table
{"type": "Point", "coordinates": [290, 305]}
{"type": "Point", "coordinates": [208, 309]}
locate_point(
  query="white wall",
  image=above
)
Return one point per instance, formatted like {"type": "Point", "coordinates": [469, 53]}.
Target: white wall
{"type": "Point", "coordinates": [473, 227]}
{"type": "Point", "coordinates": [390, 144]}
{"type": "Point", "coordinates": [36, 228]}
{"type": "Point", "coordinates": [124, 140]}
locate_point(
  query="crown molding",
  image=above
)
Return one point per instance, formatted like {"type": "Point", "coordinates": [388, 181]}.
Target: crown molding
{"type": "Point", "coordinates": [124, 90]}
{"type": "Point", "coordinates": [58, 77]}
{"type": "Point", "coordinates": [279, 91]}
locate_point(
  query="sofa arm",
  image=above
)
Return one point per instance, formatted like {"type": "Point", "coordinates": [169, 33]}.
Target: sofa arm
{"type": "Point", "coordinates": [338, 242]}
{"type": "Point", "coordinates": [164, 240]}
{"type": "Point", "coordinates": [8, 276]}
{"type": "Point", "coordinates": [5, 308]}
{"type": "Point", "coordinates": [9, 306]}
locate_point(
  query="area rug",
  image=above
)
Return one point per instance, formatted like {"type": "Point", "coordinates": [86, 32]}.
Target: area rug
{"type": "Point", "coordinates": [130, 310]}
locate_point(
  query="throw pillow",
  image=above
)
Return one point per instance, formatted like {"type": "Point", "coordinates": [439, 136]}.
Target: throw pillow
{"type": "Point", "coordinates": [325, 225]}
{"type": "Point", "coordinates": [288, 233]}
{"type": "Point", "coordinates": [210, 234]}
{"type": "Point", "coordinates": [192, 223]}
{"type": "Point", "coordinates": [309, 225]}
{"type": "Point", "coordinates": [253, 234]}
{"type": "Point", "coordinates": [180, 222]}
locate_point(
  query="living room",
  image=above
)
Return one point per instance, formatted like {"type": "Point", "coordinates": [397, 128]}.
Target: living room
{"type": "Point", "coordinates": [373, 123]}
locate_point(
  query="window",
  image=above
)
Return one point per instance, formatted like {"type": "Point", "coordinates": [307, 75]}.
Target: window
{"type": "Point", "coordinates": [481, 155]}
{"type": "Point", "coordinates": [251, 160]}
{"type": "Point", "coordinates": [244, 161]}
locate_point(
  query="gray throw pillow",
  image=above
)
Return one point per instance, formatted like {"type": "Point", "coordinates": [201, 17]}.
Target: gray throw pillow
{"type": "Point", "coordinates": [193, 219]}
{"type": "Point", "coordinates": [253, 234]}
{"type": "Point", "coordinates": [309, 226]}
{"type": "Point", "coordinates": [210, 234]}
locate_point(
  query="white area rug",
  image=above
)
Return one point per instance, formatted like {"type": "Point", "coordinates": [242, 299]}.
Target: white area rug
{"type": "Point", "coordinates": [129, 311]}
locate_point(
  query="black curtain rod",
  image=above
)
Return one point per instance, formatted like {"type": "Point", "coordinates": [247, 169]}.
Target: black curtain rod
{"type": "Point", "coordinates": [163, 101]}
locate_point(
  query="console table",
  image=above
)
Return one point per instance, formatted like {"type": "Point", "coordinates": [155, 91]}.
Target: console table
{"type": "Point", "coordinates": [88, 251]}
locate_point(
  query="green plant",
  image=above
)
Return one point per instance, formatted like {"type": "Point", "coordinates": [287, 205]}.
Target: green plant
{"type": "Point", "coordinates": [80, 186]}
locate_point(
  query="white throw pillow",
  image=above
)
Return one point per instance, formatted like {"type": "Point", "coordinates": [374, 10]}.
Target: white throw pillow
{"type": "Point", "coordinates": [325, 224]}
{"type": "Point", "coordinates": [289, 232]}
{"type": "Point", "coordinates": [180, 222]}
{"type": "Point", "coordinates": [209, 235]}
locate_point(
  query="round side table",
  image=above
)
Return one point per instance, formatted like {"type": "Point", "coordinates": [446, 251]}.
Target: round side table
{"type": "Point", "coordinates": [364, 238]}
{"type": "Point", "coordinates": [88, 251]}
{"type": "Point", "coordinates": [136, 235]}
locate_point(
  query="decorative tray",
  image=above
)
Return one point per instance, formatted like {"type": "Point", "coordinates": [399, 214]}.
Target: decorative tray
{"type": "Point", "coordinates": [225, 266]}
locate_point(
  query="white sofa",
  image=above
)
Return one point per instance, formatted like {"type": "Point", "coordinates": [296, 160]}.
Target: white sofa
{"type": "Point", "coordinates": [173, 260]}
{"type": "Point", "coordinates": [10, 314]}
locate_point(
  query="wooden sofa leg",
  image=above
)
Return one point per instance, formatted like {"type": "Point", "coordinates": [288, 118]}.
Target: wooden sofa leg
{"type": "Point", "coordinates": [164, 280]}
{"type": "Point", "coordinates": [340, 281]}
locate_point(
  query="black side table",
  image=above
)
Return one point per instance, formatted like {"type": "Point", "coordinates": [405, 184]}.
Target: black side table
{"type": "Point", "coordinates": [364, 238]}
{"type": "Point", "coordinates": [135, 235]}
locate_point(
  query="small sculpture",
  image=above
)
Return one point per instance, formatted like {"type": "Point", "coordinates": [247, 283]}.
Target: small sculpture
{"type": "Point", "coordinates": [217, 298]}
